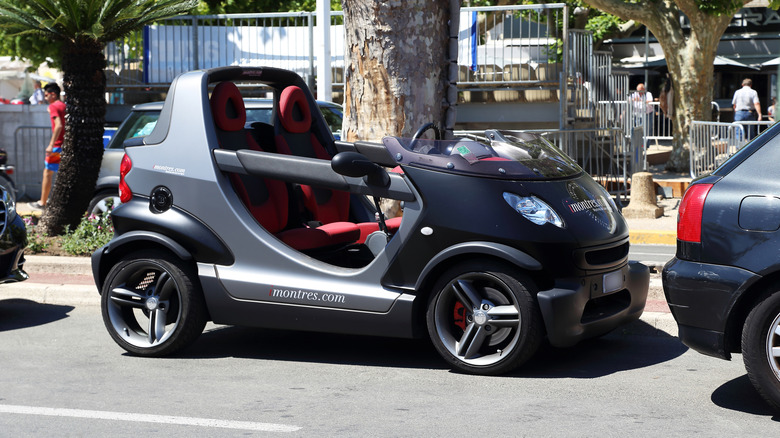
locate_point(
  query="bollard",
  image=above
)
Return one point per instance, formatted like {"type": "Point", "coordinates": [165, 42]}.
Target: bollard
{"type": "Point", "coordinates": [642, 205]}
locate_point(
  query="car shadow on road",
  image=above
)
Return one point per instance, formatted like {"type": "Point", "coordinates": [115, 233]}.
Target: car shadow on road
{"type": "Point", "coordinates": [603, 356]}
{"type": "Point", "coordinates": [18, 313]}
{"type": "Point", "coordinates": [295, 346]}
{"type": "Point", "coordinates": [740, 395]}
{"type": "Point", "coordinates": [593, 358]}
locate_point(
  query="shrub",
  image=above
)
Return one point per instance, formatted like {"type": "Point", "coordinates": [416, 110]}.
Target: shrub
{"type": "Point", "coordinates": [93, 232]}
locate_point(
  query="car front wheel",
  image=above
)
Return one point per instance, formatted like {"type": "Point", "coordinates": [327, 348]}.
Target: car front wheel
{"type": "Point", "coordinates": [152, 304]}
{"type": "Point", "coordinates": [483, 319]}
{"type": "Point", "coordinates": [761, 348]}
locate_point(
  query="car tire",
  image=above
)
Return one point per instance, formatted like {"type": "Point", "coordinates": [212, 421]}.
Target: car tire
{"type": "Point", "coordinates": [760, 336]}
{"type": "Point", "coordinates": [152, 304]}
{"type": "Point", "coordinates": [99, 204]}
{"type": "Point", "coordinates": [484, 319]}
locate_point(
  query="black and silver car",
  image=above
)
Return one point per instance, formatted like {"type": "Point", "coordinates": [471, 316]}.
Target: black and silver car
{"type": "Point", "coordinates": [142, 119]}
{"type": "Point", "coordinates": [723, 286]}
{"type": "Point", "coordinates": [504, 241]}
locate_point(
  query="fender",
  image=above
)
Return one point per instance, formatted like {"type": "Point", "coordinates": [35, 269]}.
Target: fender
{"type": "Point", "coordinates": [504, 252]}
{"type": "Point", "coordinates": [100, 269]}
{"type": "Point", "coordinates": [107, 182]}
{"type": "Point", "coordinates": [175, 225]}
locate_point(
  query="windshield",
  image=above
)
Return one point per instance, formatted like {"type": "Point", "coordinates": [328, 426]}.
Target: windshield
{"type": "Point", "coordinates": [500, 154]}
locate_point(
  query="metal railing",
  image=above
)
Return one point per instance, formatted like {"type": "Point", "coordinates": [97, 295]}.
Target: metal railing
{"type": "Point", "coordinates": [510, 46]}
{"type": "Point", "coordinates": [498, 47]}
{"type": "Point", "coordinates": [28, 154]}
{"type": "Point", "coordinates": [712, 143]}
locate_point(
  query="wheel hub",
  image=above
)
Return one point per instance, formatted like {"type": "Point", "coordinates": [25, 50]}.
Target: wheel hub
{"type": "Point", "coordinates": [152, 303]}
{"type": "Point", "coordinates": [480, 317]}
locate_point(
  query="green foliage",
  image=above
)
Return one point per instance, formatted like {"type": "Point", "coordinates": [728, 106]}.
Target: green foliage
{"type": "Point", "coordinates": [35, 29]}
{"type": "Point", "coordinates": [36, 240]}
{"type": "Point", "coordinates": [602, 25]}
{"type": "Point", "coordinates": [720, 7]}
{"type": "Point", "coordinates": [93, 232]}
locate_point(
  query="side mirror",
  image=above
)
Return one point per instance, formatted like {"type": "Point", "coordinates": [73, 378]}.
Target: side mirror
{"type": "Point", "coordinates": [357, 165]}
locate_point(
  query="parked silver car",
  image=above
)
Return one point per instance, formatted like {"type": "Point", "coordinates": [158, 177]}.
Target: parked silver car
{"type": "Point", "coordinates": [142, 120]}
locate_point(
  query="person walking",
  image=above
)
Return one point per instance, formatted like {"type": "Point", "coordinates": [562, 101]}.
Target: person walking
{"type": "Point", "coordinates": [51, 162]}
{"type": "Point", "coordinates": [746, 106]}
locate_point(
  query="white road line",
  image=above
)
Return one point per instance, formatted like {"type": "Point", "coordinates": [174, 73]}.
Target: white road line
{"type": "Point", "coordinates": [147, 418]}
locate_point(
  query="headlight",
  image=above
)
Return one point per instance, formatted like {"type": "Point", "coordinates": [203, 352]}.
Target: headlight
{"type": "Point", "coordinates": [534, 209]}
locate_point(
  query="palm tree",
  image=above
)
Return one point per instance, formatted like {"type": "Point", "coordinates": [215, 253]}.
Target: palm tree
{"type": "Point", "coordinates": [81, 28]}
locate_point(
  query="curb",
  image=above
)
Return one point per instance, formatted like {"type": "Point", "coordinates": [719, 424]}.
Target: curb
{"type": "Point", "coordinates": [40, 264]}
{"type": "Point", "coordinates": [652, 237]}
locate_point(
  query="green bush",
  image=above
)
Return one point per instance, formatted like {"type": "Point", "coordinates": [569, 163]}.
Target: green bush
{"type": "Point", "coordinates": [93, 232]}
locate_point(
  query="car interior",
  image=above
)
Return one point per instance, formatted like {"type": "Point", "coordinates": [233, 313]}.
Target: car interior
{"type": "Point", "coordinates": [317, 221]}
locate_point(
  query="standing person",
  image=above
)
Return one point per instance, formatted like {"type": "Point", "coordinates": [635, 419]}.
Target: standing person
{"type": "Point", "coordinates": [747, 106]}
{"type": "Point", "coordinates": [643, 111]}
{"type": "Point", "coordinates": [51, 162]}
{"type": "Point", "coordinates": [37, 96]}
{"type": "Point", "coordinates": [771, 110]}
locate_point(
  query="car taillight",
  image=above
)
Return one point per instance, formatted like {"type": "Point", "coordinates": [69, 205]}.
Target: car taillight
{"type": "Point", "coordinates": [691, 209]}
{"type": "Point", "coordinates": [125, 194]}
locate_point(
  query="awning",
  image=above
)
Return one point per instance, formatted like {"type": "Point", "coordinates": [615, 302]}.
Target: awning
{"type": "Point", "coordinates": [660, 61]}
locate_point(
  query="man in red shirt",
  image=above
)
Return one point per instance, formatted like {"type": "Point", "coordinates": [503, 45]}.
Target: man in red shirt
{"type": "Point", "coordinates": [51, 162]}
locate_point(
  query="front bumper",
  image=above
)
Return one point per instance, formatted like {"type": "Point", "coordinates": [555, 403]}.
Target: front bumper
{"type": "Point", "coordinates": [701, 296]}
{"type": "Point", "coordinates": [577, 309]}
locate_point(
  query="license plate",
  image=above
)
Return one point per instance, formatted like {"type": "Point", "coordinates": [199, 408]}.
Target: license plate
{"type": "Point", "coordinates": [613, 281]}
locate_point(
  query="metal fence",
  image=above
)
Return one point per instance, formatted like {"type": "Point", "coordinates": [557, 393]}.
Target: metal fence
{"type": "Point", "coordinates": [712, 143]}
{"type": "Point", "coordinates": [498, 47]}
{"type": "Point", "coordinates": [27, 157]}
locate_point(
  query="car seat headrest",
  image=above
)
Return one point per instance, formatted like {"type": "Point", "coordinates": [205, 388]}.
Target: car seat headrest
{"type": "Point", "coordinates": [227, 107]}
{"type": "Point", "coordinates": [294, 110]}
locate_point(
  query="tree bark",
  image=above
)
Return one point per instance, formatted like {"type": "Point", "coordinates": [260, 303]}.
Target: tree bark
{"type": "Point", "coordinates": [397, 66]}
{"type": "Point", "coordinates": [84, 84]}
{"type": "Point", "coordinates": [690, 58]}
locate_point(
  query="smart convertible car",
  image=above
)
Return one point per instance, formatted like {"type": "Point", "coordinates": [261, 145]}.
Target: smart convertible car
{"type": "Point", "coordinates": [503, 241]}
{"type": "Point", "coordinates": [723, 287]}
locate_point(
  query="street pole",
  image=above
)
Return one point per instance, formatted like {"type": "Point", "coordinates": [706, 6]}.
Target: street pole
{"type": "Point", "coordinates": [324, 82]}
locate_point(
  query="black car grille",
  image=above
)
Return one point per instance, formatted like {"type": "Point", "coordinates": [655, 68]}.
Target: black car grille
{"type": "Point", "coordinates": [603, 256]}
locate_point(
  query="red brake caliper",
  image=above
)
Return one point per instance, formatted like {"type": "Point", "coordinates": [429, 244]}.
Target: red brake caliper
{"type": "Point", "coordinates": [460, 315]}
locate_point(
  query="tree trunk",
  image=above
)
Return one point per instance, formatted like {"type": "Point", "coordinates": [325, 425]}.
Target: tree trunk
{"type": "Point", "coordinates": [82, 151]}
{"type": "Point", "coordinates": [396, 75]}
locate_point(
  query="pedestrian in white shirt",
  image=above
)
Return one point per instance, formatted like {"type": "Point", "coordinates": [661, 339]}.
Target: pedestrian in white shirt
{"type": "Point", "coordinates": [746, 106]}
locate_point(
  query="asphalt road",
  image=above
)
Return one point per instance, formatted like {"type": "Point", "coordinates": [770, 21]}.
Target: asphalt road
{"type": "Point", "coordinates": [62, 375]}
{"type": "Point", "coordinates": [647, 253]}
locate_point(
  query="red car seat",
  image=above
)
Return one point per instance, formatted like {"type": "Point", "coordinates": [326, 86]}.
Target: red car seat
{"type": "Point", "coordinates": [267, 199]}
{"type": "Point", "coordinates": [295, 137]}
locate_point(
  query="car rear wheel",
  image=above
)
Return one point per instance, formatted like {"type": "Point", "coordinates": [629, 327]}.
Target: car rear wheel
{"type": "Point", "coordinates": [152, 304]}
{"type": "Point", "coordinates": [761, 348]}
{"type": "Point", "coordinates": [483, 319]}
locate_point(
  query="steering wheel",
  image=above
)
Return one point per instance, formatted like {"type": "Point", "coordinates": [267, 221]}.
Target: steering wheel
{"type": "Point", "coordinates": [422, 130]}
